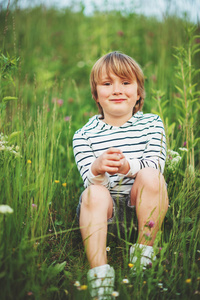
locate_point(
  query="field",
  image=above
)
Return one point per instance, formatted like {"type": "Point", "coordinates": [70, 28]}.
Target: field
{"type": "Point", "coordinates": [45, 60]}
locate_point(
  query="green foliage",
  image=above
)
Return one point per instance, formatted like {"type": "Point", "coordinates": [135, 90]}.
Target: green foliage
{"type": "Point", "coordinates": [44, 98]}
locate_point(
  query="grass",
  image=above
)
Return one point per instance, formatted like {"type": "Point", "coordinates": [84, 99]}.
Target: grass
{"type": "Point", "coordinates": [41, 252]}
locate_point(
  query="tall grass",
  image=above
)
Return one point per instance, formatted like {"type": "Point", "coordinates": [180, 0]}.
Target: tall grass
{"type": "Point", "coordinates": [45, 97]}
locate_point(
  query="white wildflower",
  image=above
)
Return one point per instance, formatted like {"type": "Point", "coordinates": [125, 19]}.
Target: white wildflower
{"type": "Point", "coordinates": [5, 209]}
{"type": "Point", "coordinates": [125, 280]}
{"type": "Point", "coordinates": [115, 294]}
{"type": "Point", "coordinates": [183, 149]}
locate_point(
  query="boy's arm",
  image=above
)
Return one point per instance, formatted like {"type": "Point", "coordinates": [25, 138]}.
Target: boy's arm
{"type": "Point", "coordinates": [154, 155]}
{"type": "Point", "coordinates": [85, 158]}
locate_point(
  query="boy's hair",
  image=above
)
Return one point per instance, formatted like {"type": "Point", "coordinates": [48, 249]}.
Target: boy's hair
{"type": "Point", "coordinates": [123, 66]}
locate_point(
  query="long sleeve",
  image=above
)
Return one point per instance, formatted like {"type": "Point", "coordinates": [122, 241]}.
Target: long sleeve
{"type": "Point", "coordinates": [84, 158]}
{"type": "Point", "coordinates": [154, 154]}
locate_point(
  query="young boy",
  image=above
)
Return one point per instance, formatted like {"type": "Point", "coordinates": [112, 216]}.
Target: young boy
{"type": "Point", "coordinates": [120, 155]}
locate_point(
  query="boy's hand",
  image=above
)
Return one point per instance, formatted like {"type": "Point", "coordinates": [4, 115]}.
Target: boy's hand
{"type": "Point", "coordinates": [111, 161]}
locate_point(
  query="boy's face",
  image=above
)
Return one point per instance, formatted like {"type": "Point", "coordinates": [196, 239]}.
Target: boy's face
{"type": "Point", "coordinates": [117, 97]}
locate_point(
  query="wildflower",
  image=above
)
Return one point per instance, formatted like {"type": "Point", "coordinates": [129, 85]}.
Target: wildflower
{"type": "Point", "coordinates": [179, 127]}
{"type": "Point", "coordinates": [144, 282]}
{"type": "Point", "coordinates": [77, 284]}
{"type": "Point", "coordinates": [56, 181]}
{"type": "Point", "coordinates": [150, 265]}
{"type": "Point", "coordinates": [29, 293]}
{"type": "Point", "coordinates": [5, 209]}
{"type": "Point", "coordinates": [115, 294]}
{"type": "Point", "coordinates": [188, 280]}
{"type": "Point", "coordinates": [34, 205]}
{"type": "Point", "coordinates": [83, 287]}
{"type": "Point", "coordinates": [17, 148]}
{"type": "Point", "coordinates": [184, 144]}
{"type": "Point", "coordinates": [183, 149]}
{"type": "Point", "coordinates": [165, 289]}
{"type": "Point", "coordinates": [120, 33]}
{"type": "Point", "coordinates": [147, 236]}
{"type": "Point", "coordinates": [81, 64]}
{"type": "Point", "coordinates": [130, 265]}
{"type": "Point", "coordinates": [160, 285]}
{"type": "Point", "coordinates": [64, 184]}
{"type": "Point", "coordinates": [125, 281]}
{"type": "Point", "coordinates": [151, 224]}
{"type": "Point", "coordinates": [29, 161]}
{"type": "Point", "coordinates": [70, 100]}
{"type": "Point", "coordinates": [60, 102]}
{"type": "Point", "coordinates": [160, 248]}
{"type": "Point", "coordinates": [67, 118]}
{"type": "Point", "coordinates": [66, 292]}
{"type": "Point", "coordinates": [107, 249]}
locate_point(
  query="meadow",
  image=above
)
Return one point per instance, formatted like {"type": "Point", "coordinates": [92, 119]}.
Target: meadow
{"type": "Point", "coordinates": [45, 60]}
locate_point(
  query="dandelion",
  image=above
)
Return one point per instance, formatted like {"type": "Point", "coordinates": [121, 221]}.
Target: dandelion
{"type": "Point", "coordinates": [77, 284]}
{"type": "Point", "coordinates": [83, 287]}
{"type": "Point", "coordinates": [29, 161]}
{"type": "Point", "coordinates": [131, 265]}
{"type": "Point", "coordinates": [125, 281]}
{"type": "Point", "coordinates": [151, 224]}
{"type": "Point", "coordinates": [107, 249]}
{"type": "Point", "coordinates": [56, 181]}
{"type": "Point", "coordinates": [144, 282]}
{"type": "Point", "coordinates": [115, 294]}
{"type": "Point", "coordinates": [5, 209]}
{"type": "Point", "coordinates": [188, 280]}
{"type": "Point", "coordinates": [64, 184]}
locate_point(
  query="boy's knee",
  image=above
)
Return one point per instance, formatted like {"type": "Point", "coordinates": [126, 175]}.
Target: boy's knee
{"type": "Point", "coordinates": [151, 179]}
{"type": "Point", "coordinates": [95, 196]}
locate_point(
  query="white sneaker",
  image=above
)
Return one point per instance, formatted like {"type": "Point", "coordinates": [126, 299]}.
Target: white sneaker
{"type": "Point", "coordinates": [141, 256]}
{"type": "Point", "coordinates": [101, 282]}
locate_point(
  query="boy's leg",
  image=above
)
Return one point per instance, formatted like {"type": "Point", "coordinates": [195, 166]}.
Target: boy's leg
{"type": "Point", "coordinates": [96, 209]}
{"type": "Point", "coordinates": [149, 195]}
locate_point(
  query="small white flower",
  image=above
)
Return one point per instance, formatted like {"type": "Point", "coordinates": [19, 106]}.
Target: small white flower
{"type": "Point", "coordinates": [115, 294]}
{"type": "Point", "coordinates": [125, 280]}
{"type": "Point", "coordinates": [5, 209]}
{"type": "Point", "coordinates": [165, 289]}
{"type": "Point", "coordinates": [81, 64]}
{"type": "Point", "coordinates": [77, 284]}
{"type": "Point", "coordinates": [107, 249]}
{"type": "Point", "coordinates": [160, 285]}
{"type": "Point", "coordinates": [183, 149]}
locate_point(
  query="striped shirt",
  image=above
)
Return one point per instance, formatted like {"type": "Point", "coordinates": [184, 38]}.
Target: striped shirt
{"type": "Point", "coordinates": [141, 139]}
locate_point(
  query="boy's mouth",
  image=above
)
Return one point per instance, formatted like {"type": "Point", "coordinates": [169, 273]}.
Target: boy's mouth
{"type": "Point", "coordinates": [117, 100]}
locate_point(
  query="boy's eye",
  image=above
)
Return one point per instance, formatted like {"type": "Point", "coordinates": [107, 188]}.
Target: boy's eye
{"type": "Point", "coordinates": [126, 82]}
{"type": "Point", "coordinates": [106, 83]}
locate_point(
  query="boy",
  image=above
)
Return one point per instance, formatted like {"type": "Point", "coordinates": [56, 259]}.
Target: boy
{"type": "Point", "coordinates": [120, 155]}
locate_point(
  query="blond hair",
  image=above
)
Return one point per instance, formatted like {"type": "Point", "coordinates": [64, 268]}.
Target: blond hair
{"type": "Point", "coordinates": [123, 66]}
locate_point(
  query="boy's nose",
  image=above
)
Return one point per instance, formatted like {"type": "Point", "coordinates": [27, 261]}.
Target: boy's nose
{"type": "Point", "coordinates": [117, 89]}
